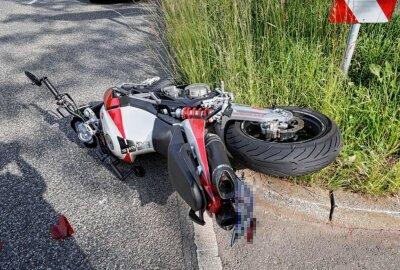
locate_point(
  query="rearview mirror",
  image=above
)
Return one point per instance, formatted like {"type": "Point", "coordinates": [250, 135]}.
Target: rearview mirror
{"type": "Point", "coordinates": [34, 79]}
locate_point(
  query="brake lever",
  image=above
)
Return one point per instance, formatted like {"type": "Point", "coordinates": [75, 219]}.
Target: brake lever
{"type": "Point", "coordinates": [150, 81]}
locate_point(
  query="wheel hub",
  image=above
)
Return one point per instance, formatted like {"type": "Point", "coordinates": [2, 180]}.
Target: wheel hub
{"type": "Point", "coordinates": [282, 131]}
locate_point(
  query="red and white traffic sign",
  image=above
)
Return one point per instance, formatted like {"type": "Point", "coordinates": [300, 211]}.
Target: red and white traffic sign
{"type": "Point", "coordinates": [362, 11]}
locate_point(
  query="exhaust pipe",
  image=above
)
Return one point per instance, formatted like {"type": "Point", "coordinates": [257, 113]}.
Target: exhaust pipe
{"type": "Point", "coordinates": [222, 174]}
{"type": "Point", "coordinates": [223, 179]}
{"type": "Point", "coordinates": [226, 215]}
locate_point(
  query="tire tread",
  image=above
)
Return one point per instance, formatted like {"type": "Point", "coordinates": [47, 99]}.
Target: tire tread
{"type": "Point", "coordinates": [284, 159]}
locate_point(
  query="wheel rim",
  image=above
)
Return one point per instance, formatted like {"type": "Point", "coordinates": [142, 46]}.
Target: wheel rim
{"type": "Point", "coordinates": [314, 127]}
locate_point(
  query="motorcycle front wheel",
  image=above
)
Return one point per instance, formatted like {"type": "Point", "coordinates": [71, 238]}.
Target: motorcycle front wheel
{"type": "Point", "coordinates": [313, 147]}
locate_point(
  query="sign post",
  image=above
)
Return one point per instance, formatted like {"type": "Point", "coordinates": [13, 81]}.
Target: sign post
{"type": "Point", "coordinates": [357, 12]}
{"type": "Point", "coordinates": [351, 45]}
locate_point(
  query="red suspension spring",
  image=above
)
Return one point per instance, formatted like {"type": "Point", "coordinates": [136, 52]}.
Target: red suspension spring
{"type": "Point", "coordinates": [195, 113]}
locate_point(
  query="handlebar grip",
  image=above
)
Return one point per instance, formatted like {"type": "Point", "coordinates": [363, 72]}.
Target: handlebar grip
{"type": "Point", "coordinates": [34, 79]}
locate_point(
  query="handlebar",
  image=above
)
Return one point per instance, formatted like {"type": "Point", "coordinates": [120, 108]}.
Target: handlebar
{"type": "Point", "coordinates": [63, 100]}
{"type": "Point", "coordinates": [146, 83]}
{"type": "Point", "coordinates": [130, 88]}
{"type": "Point", "coordinates": [52, 89]}
{"type": "Point", "coordinates": [38, 82]}
{"type": "Point", "coordinates": [150, 81]}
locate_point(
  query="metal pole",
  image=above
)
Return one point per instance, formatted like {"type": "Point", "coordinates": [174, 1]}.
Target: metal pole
{"type": "Point", "coordinates": [351, 45]}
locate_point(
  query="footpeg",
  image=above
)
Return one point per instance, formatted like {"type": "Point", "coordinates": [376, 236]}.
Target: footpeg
{"type": "Point", "coordinates": [139, 171]}
{"type": "Point", "coordinates": [136, 170]}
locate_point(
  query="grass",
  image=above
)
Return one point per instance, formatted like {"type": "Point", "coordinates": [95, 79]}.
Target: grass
{"type": "Point", "coordinates": [269, 54]}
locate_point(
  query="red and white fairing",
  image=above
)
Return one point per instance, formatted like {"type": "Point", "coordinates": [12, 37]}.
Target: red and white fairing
{"type": "Point", "coordinates": [132, 125]}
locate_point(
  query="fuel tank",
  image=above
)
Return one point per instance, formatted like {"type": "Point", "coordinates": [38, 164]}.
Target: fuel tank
{"type": "Point", "coordinates": [128, 130]}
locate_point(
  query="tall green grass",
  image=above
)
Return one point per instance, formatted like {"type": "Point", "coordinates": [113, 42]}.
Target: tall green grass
{"type": "Point", "coordinates": [290, 55]}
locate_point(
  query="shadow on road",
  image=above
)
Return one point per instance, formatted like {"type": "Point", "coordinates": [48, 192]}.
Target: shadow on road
{"type": "Point", "coordinates": [25, 219]}
{"type": "Point", "coordinates": [84, 49]}
{"type": "Point", "coordinates": [154, 188]}
{"type": "Point", "coordinates": [113, 45]}
{"type": "Point", "coordinates": [113, 15]}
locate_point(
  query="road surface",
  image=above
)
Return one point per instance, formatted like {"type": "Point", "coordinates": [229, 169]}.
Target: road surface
{"type": "Point", "coordinates": [44, 171]}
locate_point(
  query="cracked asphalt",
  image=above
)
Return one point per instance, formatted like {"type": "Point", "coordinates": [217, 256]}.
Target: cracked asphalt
{"type": "Point", "coordinates": [44, 171]}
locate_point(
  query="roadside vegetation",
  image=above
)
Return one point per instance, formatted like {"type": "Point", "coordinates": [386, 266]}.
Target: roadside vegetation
{"type": "Point", "coordinates": [290, 54]}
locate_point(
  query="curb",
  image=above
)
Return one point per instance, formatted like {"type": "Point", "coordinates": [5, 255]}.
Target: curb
{"type": "Point", "coordinates": [207, 247]}
{"type": "Point", "coordinates": [316, 205]}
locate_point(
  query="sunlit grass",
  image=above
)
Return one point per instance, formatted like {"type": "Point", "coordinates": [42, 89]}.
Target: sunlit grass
{"type": "Point", "coordinates": [268, 54]}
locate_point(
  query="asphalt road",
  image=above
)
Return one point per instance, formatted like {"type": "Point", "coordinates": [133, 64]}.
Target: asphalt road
{"type": "Point", "coordinates": [139, 223]}
{"type": "Point", "coordinates": [44, 171]}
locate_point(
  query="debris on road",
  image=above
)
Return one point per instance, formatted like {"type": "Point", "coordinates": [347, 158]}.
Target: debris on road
{"type": "Point", "coordinates": [62, 229]}
{"type": "Point", "coordinates": [333, 204]}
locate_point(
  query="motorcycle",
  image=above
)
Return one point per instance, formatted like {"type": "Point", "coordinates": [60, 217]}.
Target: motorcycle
{"type": "Point", "coordinates": [200, 131]}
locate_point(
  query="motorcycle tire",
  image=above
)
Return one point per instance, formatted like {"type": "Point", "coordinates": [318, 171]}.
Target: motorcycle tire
{"type": "Point", "coordinates": [317, 145]}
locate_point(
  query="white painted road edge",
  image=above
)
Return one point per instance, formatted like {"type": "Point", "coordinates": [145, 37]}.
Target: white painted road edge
{"type": "Point", "coordinates": [207, 247]}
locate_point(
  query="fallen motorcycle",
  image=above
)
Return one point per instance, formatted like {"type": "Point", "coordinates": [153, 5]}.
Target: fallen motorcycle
{"type": "Point", "coordinates": [196, 129]}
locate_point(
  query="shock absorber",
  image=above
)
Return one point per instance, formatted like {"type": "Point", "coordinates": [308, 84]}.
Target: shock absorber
{"type": "Point", "coordinates": [192, 113]}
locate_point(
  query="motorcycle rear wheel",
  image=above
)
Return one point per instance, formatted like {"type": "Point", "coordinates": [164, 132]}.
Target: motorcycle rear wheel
{"type": "Point", "coordinates": [316, 146]}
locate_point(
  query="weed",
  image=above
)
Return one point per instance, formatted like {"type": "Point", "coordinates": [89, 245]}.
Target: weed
{"type": "Point", "coordinates": [290, 55]}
